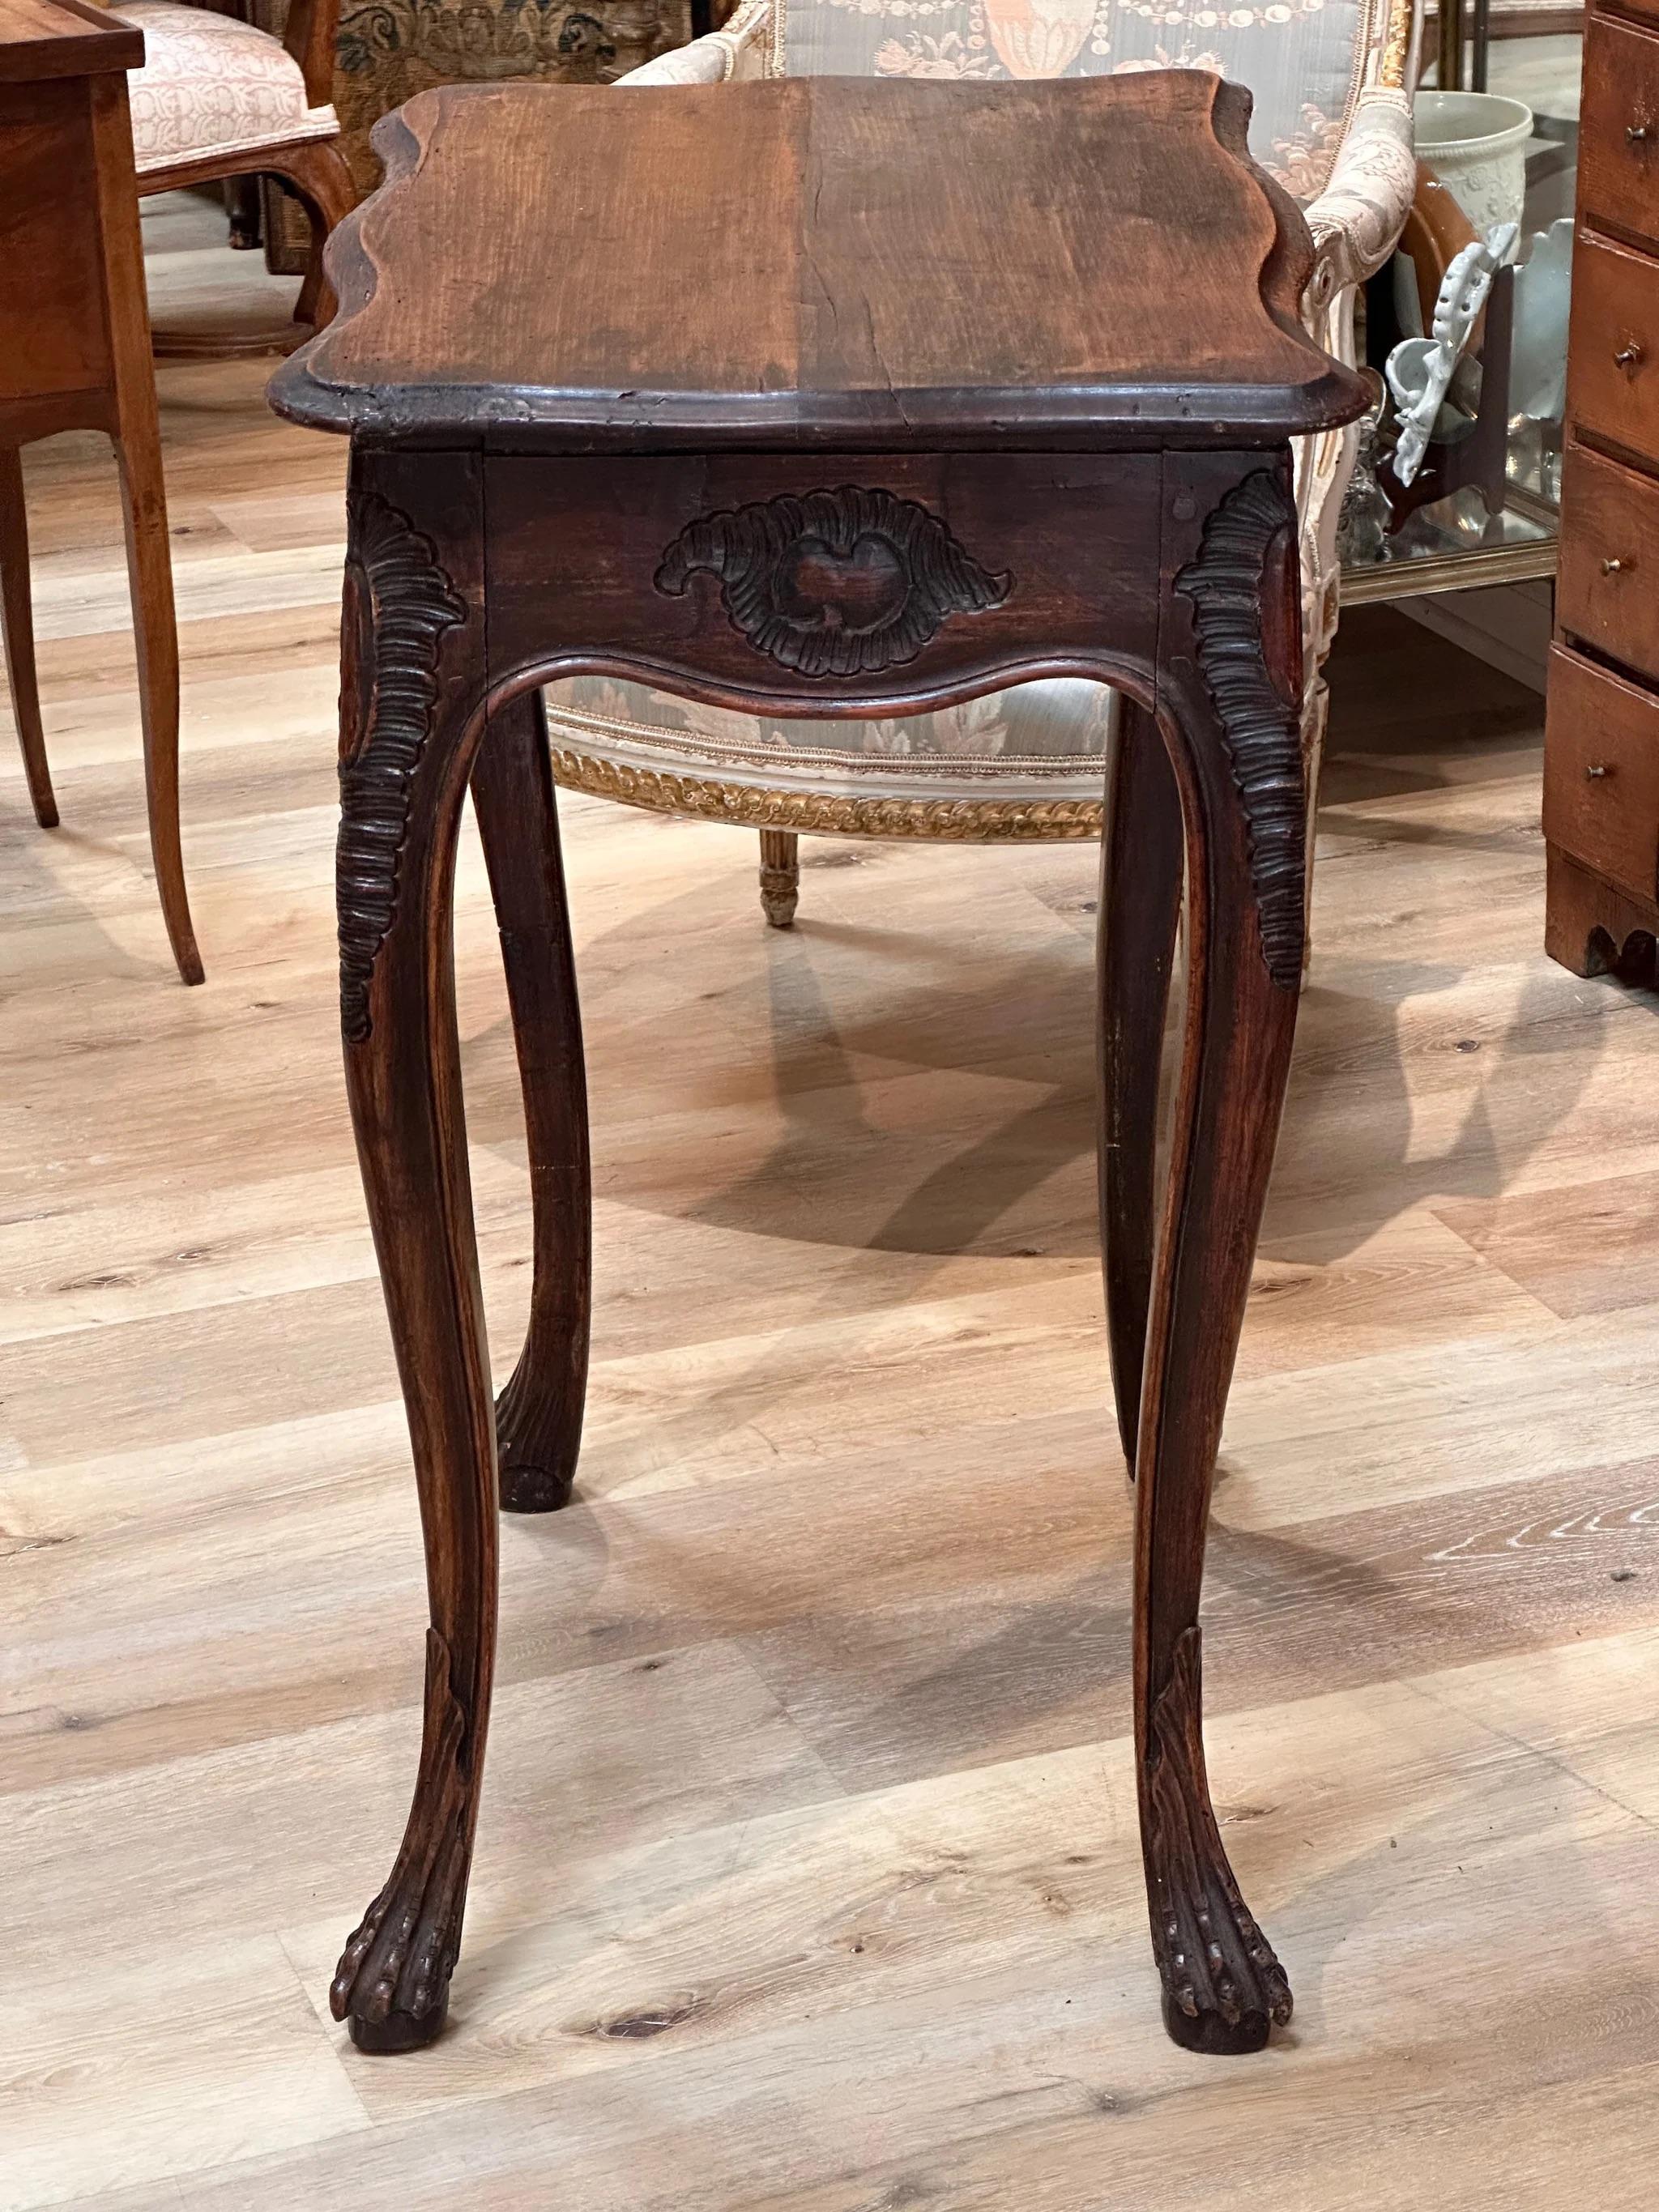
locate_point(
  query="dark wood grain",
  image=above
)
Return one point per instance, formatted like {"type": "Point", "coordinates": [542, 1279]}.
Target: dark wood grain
{"type": "Point", "coordinates": [1237, 582]}
{"type": "Point", "coordinates": [1141, 857]}
{"type": "Point", "coordinates": [538, 1416]}
{"type": "Point", "coordinates": [398, 603]}
{"type": "Point", "coordinates": [402, 1077]}
{"type": "Point", "coordinates": [1223, 1988]}
{"type": "Point", "coordinates": [1094, 262]}
{"type": "Point", "coordinates": [1068, 532]}
{"type": "Point", "coordinates": [848, 581]}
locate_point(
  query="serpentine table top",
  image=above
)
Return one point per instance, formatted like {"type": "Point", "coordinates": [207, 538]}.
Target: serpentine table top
{"type": "Point", "coordinates": [1089, 263]}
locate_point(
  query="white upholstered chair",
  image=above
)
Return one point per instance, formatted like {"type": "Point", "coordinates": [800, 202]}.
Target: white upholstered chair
{"type": "Point", "coordinates": [217, 97]}
{"type": "Point", "coordinates": [1332, 81]}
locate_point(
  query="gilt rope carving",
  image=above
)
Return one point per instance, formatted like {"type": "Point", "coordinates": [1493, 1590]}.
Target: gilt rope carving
{"type": "Point", "coordinates": [836, 583]}
{"type": "Point", "coordinates": [1260, 728]}
{"type": "Point", "coordinates": [398, 603]}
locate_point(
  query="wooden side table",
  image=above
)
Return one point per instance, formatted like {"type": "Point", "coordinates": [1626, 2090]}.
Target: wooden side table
{"type": "Point", "coordinates": [74, 356]}
{"type": "Point", "coordinates": [1000, 384]}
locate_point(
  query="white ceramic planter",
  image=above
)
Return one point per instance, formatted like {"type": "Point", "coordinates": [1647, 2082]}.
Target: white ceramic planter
{"type": "Point", "coordinates": [1476, 144]}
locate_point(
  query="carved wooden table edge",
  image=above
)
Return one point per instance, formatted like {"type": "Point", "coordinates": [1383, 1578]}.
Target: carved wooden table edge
{"type": "Point", "coordinates": [863, 581]}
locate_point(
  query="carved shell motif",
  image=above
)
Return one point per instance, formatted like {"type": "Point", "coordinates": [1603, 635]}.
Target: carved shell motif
{"type": "Point", "coordinates": [1038, 38]}
{"type": "Point", "coordinates": [835, 583]}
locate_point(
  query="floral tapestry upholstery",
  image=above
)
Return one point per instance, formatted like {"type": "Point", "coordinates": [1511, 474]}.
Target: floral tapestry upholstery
{"type": "Point", "coordinates": [1302, 59]}
{"type": "Point", "coordinates": [212, 85]}
{"type": "Point", "coordinates": [389, 50]}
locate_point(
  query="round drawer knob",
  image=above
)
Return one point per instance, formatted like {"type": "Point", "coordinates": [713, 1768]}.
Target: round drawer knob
{"type": "Point", "coordinates": [1597, 768]}
{"type": "Point", "coordinates": [1615, 565]}
{"type": "Point", "coordinates": [1628, 357]}
{"type": "Point", "coordinates": [1639, 134]}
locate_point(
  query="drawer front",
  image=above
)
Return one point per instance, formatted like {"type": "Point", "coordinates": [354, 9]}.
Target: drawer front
{"type": "Point", "coordinates": [1602, 773]}
{"type": "Point", "coordinates": [1041, 544]}
{"type": "Point", "coordinates": [1618, 135]}
{"type": "Point", "coordinates": [1613, 374]}
{"type": "Point", "coordinates": [1607, 588]}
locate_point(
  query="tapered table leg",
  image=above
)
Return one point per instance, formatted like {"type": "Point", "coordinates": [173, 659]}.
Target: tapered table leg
{"type": "Point", "coordinates": [17, 615]}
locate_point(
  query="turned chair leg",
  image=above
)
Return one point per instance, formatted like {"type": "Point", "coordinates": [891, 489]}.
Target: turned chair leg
{"type": "Point", "coordinates": [1139, 907]}
{"type": "Point", "coordinates": [538, 1416]}
{"type": "Point", "coordinates": [18, 619]}
{"type": "Point", "coordinates": [414, 675]}
{"type": "Point", "coordinates": [780, 876]}
{"type": "Point", "coordinates": [1230, 671]}
{"type": "Point", "coordinates": [318, 173]}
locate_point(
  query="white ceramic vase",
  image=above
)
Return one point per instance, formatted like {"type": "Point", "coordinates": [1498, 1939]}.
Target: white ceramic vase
{"type": "Point", "coordinates": [1476, 144]}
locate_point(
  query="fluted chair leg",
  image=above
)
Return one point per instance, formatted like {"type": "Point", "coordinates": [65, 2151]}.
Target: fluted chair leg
{"type": "Point", "coordinates": [780, 876]}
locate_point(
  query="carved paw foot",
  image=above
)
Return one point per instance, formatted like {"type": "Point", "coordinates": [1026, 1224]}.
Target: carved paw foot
{"type": "Point", "coordinates": [392, 1981]}
{"type": "Point", "coordinates": [1223, 1990]}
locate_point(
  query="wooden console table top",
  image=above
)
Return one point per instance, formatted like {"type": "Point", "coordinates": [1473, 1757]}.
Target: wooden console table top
{"type": "Point", "coordinates": [1092, 263]}
{"type": "Point", "coordinates": [44, 39]}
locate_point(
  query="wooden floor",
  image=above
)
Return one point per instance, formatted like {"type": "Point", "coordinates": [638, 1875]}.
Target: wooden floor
{"type": "Point", "coordinates": [808, 1873]}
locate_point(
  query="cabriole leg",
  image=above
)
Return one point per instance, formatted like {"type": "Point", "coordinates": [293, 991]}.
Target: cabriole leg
{"type": "Point", "coordinates": [1140, 863]}
{"type": "Point", "coordinates": [414, 673]}
{"type": "Point", "coordinates": [1228, 688]}
{"type": "Point", "coordinates": [538, 1416]}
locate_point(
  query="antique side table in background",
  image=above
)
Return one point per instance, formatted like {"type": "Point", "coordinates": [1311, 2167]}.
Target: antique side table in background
{"type": "Point", "coordinates": [1000, 384]}
{"type": "Point", "coordinates": [74, 356]}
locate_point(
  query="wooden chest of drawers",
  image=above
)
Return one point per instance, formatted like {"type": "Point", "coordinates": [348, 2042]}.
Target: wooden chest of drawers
{"type": "Point", "coordinates": [1602, 743]}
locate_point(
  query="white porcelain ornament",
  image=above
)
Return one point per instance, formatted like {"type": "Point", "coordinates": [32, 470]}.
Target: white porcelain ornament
{"type": "Point", "coordinates": [1419, 370]}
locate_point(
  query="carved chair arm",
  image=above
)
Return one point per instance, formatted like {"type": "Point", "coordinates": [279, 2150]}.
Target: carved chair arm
{"type": "Point", "coordinates": [737, 51]}
{"type": "Point", "coordinates": [1357, 218]}
{"type": "Point", "coordinates": [309, 35]}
